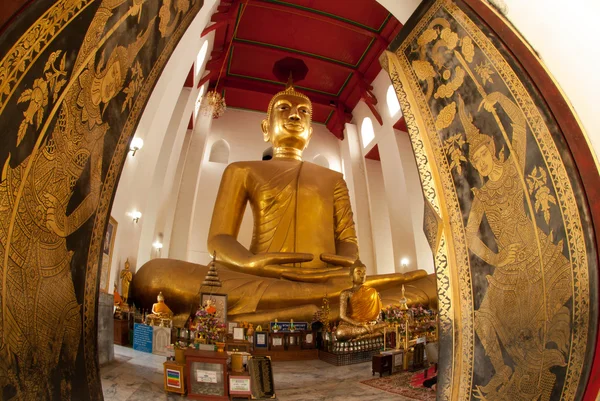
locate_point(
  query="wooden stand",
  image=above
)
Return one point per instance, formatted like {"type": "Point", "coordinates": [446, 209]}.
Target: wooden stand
{"type": "Point", "coordinates": [121, 332]}
{"type": "Point", "coordinates": [293, 341]}
{"type": "Point", "coordinates": [214, 365]}
{"type": "Point", "coordinates": [381, 364]}
{"type": "Point", "coordinates": [236, 345]}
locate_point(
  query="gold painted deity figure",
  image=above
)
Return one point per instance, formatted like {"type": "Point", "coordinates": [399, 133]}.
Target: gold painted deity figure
{"type": "Point", "coordinates": [360, 308]}
{"type": "Point", "coordinates": [523, 309]}
{"type": "Point", "coordinates": [304, 239]}
{"type": "Point", "coordinates": [35, 257]}
{"type": "Point", "coordinates": [126, 277]}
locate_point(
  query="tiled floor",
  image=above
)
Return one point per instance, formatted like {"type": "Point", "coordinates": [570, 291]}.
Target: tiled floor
{"type": "Point", "coordinates": [138, 376]}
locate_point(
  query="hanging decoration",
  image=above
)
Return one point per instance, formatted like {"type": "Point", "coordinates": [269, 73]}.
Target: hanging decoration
{"type": "Point", "coordinates": [213, 103]}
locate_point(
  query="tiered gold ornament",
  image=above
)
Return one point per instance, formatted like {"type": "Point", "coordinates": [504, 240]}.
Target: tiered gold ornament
{"type": "Point", "coordinates": [212, 277]}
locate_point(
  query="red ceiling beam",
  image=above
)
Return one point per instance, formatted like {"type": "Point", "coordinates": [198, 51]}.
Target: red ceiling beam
{"type": "Point", "coordinates": [207, 77]}
{"type": "Point", "coordinates": [213, 27]}
{"type": "Point", "coordinates": [283, 52]}
{"type": "Point", "coordinates": [271, 89]}
{"type": "Point", "coordinates": [318, 17]}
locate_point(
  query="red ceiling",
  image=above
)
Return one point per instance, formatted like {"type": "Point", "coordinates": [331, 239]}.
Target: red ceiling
{"type": "Point", "coordinates": [340, 42]}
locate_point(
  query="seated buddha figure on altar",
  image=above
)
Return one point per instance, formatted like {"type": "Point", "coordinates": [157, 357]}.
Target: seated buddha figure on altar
{"type": "Point", "coordinates": [160, 310]}
{"type": "Point", "coordinates": [304, 239]}
{"type": "Point", "coordinates": [360, 308]}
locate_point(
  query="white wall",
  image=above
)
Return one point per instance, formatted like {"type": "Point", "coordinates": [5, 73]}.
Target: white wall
{"type": "Point", "coordinates": [564, 37]}
{"type": "Point", "coordinates": [151, 170]}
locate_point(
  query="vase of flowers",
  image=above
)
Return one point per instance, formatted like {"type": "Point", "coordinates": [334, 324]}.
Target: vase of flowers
{"type": "Point", "coordinates": [179, 347]}
{"type": "Point", "coordinates": [208, 325]}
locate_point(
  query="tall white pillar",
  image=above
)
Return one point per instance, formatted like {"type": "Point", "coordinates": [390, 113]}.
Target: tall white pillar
{"type": "Point", "coordinates": [164, 173]}
{"type": "Point", "coordinates": [356, 180]}
{"type": "Point", "coordinates": [398, 200]}
{"type": "Point", "coordinates": [186, 201]}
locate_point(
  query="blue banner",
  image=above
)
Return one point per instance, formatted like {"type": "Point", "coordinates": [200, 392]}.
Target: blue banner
{"type": "Point", "coordinates": [142, 337]}
{"type": "Point", "coordinates": [285, 327]}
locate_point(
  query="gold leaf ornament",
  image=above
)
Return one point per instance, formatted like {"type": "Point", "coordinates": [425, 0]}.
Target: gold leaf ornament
{"type": "Point", "coordinates": [447, 90]}
{"type": "Point", "coordinates": [451, 38]}
{"type": "Point", "coordinates": [468, 50]}
{"type": "Point", "coordinates": [446, 116]}
{"type": "Point", "coordinates": [423, 69]}
{"type": "Point", "coordinates": [427, 37]}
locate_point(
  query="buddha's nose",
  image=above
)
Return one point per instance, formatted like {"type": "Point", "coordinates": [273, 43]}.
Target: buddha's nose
{"type": "Point", "coordinates": [294, 117]}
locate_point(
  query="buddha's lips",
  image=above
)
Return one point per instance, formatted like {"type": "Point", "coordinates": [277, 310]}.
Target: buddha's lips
{"type": "Point", "coordinates": [294, 127]}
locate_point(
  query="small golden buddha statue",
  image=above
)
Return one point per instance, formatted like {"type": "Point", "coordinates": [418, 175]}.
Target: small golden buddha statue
{"type": "Point", "coordinates": [126, 277]}
{"type": "Point", "coordinates": [304, 239]}
{"type": "Point", "coordinates": [360, 308]}
{"type": "Point", "coordinates": [160, 310]}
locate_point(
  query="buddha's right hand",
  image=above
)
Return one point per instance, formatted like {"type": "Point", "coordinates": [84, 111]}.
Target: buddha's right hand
{"type": "Point", "coordinates": [268, 264]}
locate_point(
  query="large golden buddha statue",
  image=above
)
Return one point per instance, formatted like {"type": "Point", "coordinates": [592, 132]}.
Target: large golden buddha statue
{"type": "Point", "coordinates": [303, 242]}
{"type": "Point", "coordinates": [360, 308]}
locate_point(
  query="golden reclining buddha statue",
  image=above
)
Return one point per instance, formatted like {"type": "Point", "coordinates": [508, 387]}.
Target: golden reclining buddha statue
{"type": "Point", "coordinates": [304, 239]}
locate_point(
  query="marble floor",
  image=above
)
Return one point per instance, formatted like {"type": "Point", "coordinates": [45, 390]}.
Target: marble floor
{"type": "Point", "coordinates": [138, 376]}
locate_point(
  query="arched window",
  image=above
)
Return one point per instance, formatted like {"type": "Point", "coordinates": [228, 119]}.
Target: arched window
{"type": "Point", "coordinates": [219, 152]}
{"type": "Point", "coordinates": [392, 101]}
{"type": "Point", "coordinates": [366, 132]}
{"type": "Point", "coordinates": [268, 153]}
{"type": "Point", "coordinates": [200, 58]}
{"type": "Point", "coordinates": [321, 161]}
{"type": "Point", "coordinates": [198, 101]}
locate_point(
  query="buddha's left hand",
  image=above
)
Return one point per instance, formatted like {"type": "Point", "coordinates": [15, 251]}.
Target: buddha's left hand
{"type": "Point", "coordinates": [338, 260]}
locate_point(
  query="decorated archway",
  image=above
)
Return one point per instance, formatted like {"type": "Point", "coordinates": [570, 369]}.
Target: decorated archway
{"type": "Point", "coordinates": [63, 155]}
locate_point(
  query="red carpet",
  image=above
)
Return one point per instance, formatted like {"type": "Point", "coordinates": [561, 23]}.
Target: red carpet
{"type": "Point", "coordinates": [407, 384]}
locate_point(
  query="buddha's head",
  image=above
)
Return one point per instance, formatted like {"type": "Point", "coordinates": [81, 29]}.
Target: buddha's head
{"type": "Point", "coordinates": [288, 122]}
{"type": "Point", "coordinates": [358, 272]}
{"type": "Point", "coordinates": [160, 297]}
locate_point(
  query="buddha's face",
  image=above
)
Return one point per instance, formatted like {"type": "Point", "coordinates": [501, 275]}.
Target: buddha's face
{"type": "Point", "coordinates": [359, 275]}
{"type": "Point", "coordinates": [288, 125]}
{"type": "Point", "coordinates": [483, 160]}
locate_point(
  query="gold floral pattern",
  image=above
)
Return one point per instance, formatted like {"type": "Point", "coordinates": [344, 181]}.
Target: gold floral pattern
{"type": "Point", "coordinates": [552, 182]}
{"type": "Point", "coordinates": [446, 116]}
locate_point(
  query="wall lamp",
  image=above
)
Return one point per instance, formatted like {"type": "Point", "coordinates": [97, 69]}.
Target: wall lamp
{"type": "Point", "coordinates": [135, 215]}
{"type": "Point", "coordinates": [157, 245]}
{"type": "Point", "coordinates": [136, 144]}
{"type": "Point", "coordinates": [404, 262]}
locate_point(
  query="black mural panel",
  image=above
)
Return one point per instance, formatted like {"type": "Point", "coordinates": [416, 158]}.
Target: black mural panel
{"type": "Point", "coordinates": [523, 262]}
{"type": "Point", "coordinates": [74, 79]}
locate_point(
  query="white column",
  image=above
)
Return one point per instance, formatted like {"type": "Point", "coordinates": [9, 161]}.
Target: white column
{"type": "Point", "coordinates": [186, 201]}
{"type": "Point", "coordinates": [359, 195]}
{"type": "Point", "coordinates": [164, 173]}
{"type": "Point", "coordinates": [383, 245]}
{"type": "Point", "coordinates": [416, 202]}
{"type": "Point", "coordinates": [398, 200]}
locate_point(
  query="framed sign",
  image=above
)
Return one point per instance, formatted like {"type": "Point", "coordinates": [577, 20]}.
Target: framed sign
{"type": "Point", "coordinates": [261, 339]}
{"type": "Point", "coordinates": [239, 385]}
{"type": "Point", "coordinates": [238, 333]}
{"type": "Point", "coordinates": [261, 377]}
{"type": "Point", "coordinates": [231, 326]}
{"type": "Point", "coordinates": [219, 302]}
{"type": "Point", "coordinates": [107, 252]}
{"type": "Point", "coordinates": [174, 377]}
